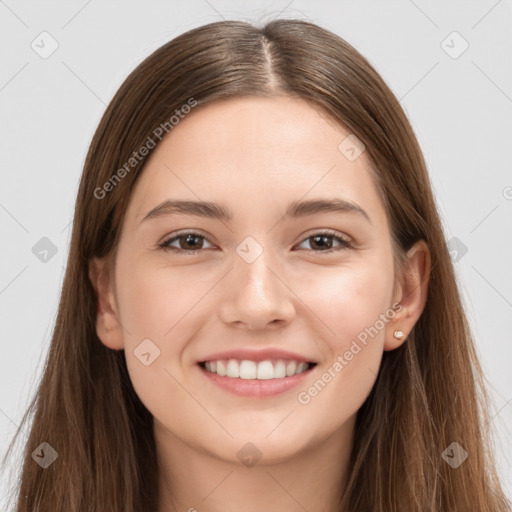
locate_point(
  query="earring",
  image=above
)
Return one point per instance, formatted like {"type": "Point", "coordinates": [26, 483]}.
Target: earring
{"type": "Point", "coordinates": [398, 335]}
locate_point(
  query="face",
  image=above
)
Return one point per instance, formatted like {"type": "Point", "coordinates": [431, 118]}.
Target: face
{"type": "Point", "coordinates": [309, 282]}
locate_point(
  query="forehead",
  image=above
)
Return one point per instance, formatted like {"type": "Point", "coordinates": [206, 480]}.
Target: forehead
{"type": "Point", "coordinates": [257, 152]}
{"type": "Point", "coordinates": [242, 129]}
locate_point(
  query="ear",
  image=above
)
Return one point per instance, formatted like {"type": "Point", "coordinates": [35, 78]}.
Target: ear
{"type": "Point", "coordinates": [412, 295]}
{"type": "Point", "coordinates": [108, 328]}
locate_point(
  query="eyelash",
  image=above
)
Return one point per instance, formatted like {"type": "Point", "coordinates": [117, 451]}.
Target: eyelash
{"type": "Point", "coordinates": [345, 244]}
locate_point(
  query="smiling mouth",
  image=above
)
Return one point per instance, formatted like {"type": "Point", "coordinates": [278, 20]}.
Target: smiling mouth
{"type": "Point", "coordinates": [252, 370]}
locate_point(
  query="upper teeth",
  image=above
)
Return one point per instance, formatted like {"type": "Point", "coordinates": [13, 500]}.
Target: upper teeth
{"type": "Point", "coordinates": [252, 370]}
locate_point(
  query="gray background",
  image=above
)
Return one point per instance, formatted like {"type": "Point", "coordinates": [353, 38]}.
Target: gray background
{"type": "Point", "coordinates": [460, 109]}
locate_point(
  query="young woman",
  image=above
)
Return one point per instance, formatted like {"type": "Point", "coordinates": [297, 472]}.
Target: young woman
{"type": "Point", "coordinates": [259, 310]}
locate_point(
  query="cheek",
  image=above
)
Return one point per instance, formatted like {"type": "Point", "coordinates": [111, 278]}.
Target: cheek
{"type": "Point", "coordinates": [156, 309]}
{"type": "Point", "coordinates": [352, 304]}
{"type": "Point", "coordinates": [347, 299]}
{"type": "Point", "coordinates": [155, 301]}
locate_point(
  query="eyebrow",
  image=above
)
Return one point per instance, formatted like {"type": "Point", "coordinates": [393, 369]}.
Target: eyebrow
{"type": "Point", "coordinates": [296, 209]}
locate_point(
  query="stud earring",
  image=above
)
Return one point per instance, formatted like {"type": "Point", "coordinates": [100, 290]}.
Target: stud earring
{"type": "Point", "coordinates": [398, 335]}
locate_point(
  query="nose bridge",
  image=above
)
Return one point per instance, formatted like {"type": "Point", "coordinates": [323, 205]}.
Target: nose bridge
{"type": "Point", "coordinates": [254, 269]}
{"type": "Point", "coordinates": [259, 294]}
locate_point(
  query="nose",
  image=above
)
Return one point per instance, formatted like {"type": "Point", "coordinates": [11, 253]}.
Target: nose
{"type": "Point", "coordinates": [257, 296]}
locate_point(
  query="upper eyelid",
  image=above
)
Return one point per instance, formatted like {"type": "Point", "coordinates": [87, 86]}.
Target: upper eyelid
{"type": "Point", "coordinates": [186, 232]}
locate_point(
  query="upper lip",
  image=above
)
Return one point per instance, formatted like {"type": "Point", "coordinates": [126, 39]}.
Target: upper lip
{"type": "Point", "coordinates": [256, 355]}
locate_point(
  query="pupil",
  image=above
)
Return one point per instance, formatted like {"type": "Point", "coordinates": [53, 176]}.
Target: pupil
{"type": "Point", "coordinates": [323, 237]}
{"type": "Point", "coordinates": [189, 238]}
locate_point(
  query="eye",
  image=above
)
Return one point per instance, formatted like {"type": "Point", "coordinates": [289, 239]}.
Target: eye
{"type": "Point", "coordinates": [190, 242]}
{"type": "Point", "coordinates": [322, 240]}
{"type": "Point", "coordinates": [186, 241]}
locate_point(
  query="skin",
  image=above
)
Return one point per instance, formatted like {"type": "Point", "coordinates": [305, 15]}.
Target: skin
{"type": "Point", "coordinates": [292, 297]}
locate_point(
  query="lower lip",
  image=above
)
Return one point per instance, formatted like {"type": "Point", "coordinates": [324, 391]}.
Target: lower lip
{"type": "Point", "coordinates": [256, 387]}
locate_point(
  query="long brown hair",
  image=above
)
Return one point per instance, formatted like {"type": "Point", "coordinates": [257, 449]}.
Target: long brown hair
{"type": "Point", "coordinates": [430, 391]}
